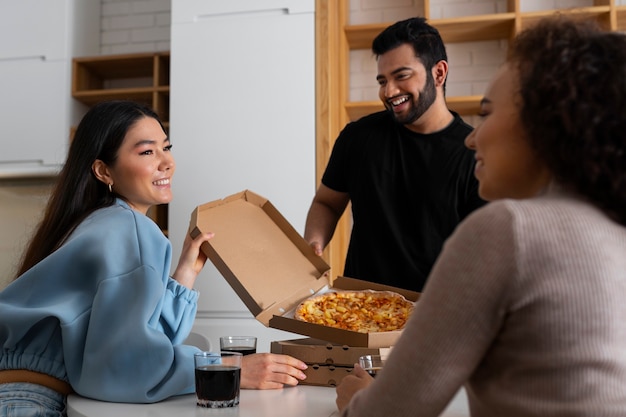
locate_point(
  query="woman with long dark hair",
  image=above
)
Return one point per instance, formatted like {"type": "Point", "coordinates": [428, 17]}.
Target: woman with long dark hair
{"type": "Point", "coordinates": [94, 308]}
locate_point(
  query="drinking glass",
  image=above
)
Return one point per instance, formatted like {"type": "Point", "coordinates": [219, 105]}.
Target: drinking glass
{"type": "Point", "coordinates": [218, 379]}
{"type": "Point", "coordinates": [372, 364]}
{"type": "Point", "coordinates": [246, 345]}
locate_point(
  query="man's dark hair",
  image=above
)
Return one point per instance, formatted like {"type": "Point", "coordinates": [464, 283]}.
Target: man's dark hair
{"type": "Point", "coordinates": [424, 39]}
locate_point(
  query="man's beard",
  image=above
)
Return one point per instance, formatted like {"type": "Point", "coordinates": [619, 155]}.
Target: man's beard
{"type": "Point", "coordinates": [426, 98]}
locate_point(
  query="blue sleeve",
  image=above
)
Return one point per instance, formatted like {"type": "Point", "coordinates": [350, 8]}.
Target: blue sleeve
{"type": "Point", "coordinates": [130, 348]}
{"type": "Point", "coordinates": [125, 358]}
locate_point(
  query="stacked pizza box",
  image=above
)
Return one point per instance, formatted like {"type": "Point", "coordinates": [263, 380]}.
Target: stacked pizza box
{"type": "Point", "coordinates": [328, 362]}
{"type": "Point", "coordinates": [273, 269]}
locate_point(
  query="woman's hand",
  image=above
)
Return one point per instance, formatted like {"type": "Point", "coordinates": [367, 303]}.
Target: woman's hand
{"type": "Point", "coordinates": [270, 371]}
{"type": "Point", "coordinates": [350, 385]}
{"type": "Point", "coordinates": [192, 259]}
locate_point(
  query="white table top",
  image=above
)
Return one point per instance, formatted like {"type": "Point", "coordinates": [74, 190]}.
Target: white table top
{"type": "Point", "coordinates": [300, 401]}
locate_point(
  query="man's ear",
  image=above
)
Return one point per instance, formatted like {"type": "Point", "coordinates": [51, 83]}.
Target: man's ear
{"type": "Point", "coordinates": [440, 73]}
{"type": "Point", "coordinates": [101, 171]}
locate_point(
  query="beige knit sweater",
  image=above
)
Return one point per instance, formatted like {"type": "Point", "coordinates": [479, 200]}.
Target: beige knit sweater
{"type": "Point", "coordinates": [526, 307]}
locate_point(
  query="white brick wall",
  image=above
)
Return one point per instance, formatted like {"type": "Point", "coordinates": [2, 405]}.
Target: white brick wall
{"type": "Point", "coordinates": [539, 5]}
{"type": "Point", "coordinates": [129, 26]}
{"type": "Point", "coordinates": [377, 11]}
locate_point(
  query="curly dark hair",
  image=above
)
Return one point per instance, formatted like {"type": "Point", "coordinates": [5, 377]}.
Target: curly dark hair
{"type": "Point", "coordinates": [572, 77]}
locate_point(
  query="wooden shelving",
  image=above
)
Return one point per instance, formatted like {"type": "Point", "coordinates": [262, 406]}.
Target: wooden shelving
{"type": "Point", "coordinates": [474, 28]}
{"type": "Point", "coordinates": [142, 77]}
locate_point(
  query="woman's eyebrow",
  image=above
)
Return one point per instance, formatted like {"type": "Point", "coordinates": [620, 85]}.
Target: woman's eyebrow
{"type": "Point", "coordinates": [150, 141]}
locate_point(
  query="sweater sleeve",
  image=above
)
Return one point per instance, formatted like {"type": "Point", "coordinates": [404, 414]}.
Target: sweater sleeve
{"type": "Point", "coordinates": [453, 324]}
{"type": "Point", "coordinates": [124, 358]}
{"type": "Point", "coordinates": [129, 345]}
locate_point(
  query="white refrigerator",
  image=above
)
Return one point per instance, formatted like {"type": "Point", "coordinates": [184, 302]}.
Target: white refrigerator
{"type": "Point", "coordinates": [242, 114]}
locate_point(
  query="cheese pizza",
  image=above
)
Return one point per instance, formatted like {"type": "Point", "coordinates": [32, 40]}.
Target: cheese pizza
{"type": "Point", "coordinates": [360, 311]}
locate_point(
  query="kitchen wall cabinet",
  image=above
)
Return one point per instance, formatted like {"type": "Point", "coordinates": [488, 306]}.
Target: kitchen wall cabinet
{"type": "Point", "coordinates": [141, 77]}
{"type": "Point", "coordinates": [40, 39]}
{"type": "Point", "coordinates": [336, 38]}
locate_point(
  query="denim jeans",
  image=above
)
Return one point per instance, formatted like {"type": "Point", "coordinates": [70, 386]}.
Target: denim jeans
{"type": "Point", "coordinates": [21, 399]}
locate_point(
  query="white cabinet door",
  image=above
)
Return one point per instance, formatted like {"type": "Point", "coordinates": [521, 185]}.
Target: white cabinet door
{"type": "Point", "coordinates": [35, 122]}
{"type": "Point", "coordinates": [40, 40]}
{"type": "Point", "coordinates": [33, 28]}
{"type": "Point", "coordinates": [242, 113]}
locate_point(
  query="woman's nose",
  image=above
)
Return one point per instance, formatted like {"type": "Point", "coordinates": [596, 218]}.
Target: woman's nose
{"type": "Point", "coordinates": [167, 161]}
{"type": "Point", "coordinates": [470, 140]}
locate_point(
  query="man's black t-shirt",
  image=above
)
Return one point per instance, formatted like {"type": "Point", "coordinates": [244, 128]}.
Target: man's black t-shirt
{"type": "Point", "coordinates": [408, 192]}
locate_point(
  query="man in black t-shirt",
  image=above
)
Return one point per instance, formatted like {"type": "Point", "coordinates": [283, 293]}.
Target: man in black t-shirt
{"type": "Point", "coordinates": [405, 170]}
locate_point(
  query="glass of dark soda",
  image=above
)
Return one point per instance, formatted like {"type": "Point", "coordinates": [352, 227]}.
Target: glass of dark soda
{"type": "Point", "coordinates": [218, 379]}
{"type": "Point", "coordinates": [246, 345]}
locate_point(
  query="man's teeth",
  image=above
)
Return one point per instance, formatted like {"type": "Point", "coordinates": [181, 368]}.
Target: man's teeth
{"type": "Point", "coordinates": [161, 182]}
{"type": "Point", "coordinates": [399, 101]}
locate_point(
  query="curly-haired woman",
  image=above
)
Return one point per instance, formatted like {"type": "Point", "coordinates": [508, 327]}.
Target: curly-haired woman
{"type": "Point", "coordinates": [526, 306]}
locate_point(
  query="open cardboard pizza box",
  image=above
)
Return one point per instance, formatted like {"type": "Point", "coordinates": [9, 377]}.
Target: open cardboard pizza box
{"type": "Point", "coordinates": [272, 268]}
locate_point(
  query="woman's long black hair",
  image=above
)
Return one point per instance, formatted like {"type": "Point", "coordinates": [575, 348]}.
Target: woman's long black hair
{"type": "Point", "coordinates": [77, 192]}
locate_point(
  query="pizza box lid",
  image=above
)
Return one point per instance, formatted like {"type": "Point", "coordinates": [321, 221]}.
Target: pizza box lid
{"type": "Point", "coordinates": [272, 268]}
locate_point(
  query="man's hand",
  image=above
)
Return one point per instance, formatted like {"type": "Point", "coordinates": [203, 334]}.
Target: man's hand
{"type": "Point", "coordinates": [317, 248]}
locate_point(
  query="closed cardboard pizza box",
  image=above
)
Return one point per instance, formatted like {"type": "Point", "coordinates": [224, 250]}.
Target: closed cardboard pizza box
{"type": "Point", "coordinates": [328, 363]}
{"type": "Point", "coordinates": [320, 352]}
{"type": "Point", "coordinates": [272, 268]}
{"type": "Point", "coordinates": [325, 375]}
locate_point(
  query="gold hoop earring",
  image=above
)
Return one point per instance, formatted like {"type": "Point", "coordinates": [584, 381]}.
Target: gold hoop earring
{"type": "Point", "coordinates": [110, 187]}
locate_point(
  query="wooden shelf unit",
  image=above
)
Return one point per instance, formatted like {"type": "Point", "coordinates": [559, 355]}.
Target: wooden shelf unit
{"type": "Point", "coordinates": [335, 38]}
{"type": "Point", "coordinates": [141, 77]}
